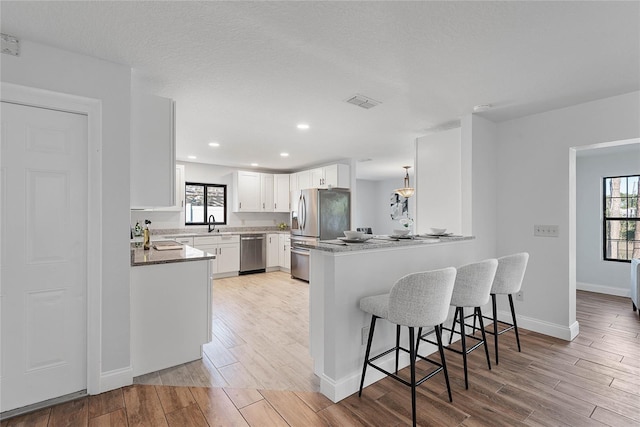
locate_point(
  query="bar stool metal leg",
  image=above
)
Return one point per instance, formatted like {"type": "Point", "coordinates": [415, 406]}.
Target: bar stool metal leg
{"type": "Point", "coordinates": [412, 361]}
{"type": "Point", "coordinates": [463, 341]}
{"type": "Point", "coordinates": [368, 351]}
{"type": "Point", "coordinates": [515, 324]}
{"type": "Point", "coordinates": [495, 324]}
{"type": "Point", "coordinates": [397, 345]}
{"type": "Point", "coordinates": [484, 335]}
{"type": "Point", "coordinates": [438, 330]}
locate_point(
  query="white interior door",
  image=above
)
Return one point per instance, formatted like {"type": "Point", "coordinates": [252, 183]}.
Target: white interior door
{"type": "Point", "coordinates": [43, 261]}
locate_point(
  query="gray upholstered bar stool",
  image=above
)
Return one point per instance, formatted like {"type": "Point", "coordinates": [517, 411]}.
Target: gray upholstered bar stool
{"type": "Point", "coordinates": [471, 289]}
{"type": "Point", "coordinates": [508, 281]}
{"type": "Point", "coordinates": [417, 300]}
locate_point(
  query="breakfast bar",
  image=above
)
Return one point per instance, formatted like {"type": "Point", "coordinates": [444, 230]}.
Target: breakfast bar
{"type": "Point", "coordinates": [340, 275]}
{"type": "Point", "coordinates": [170, 306]}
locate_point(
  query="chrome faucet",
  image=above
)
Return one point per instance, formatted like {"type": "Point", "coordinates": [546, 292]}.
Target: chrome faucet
{"type": "Point", "coordinates": [212, 221]}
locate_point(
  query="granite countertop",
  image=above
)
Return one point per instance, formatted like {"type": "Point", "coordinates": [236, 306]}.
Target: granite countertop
{"type": "Point", "coordinates": [152, 256]}
{"type": "Point", "coordinates": [203, 232]}
{"type": "Point", "coordinates": [378, 242]}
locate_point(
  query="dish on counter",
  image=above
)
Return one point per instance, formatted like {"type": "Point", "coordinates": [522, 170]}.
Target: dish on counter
{"type": "Point", "coordinates": [360, 240]}
{"type": "Point", "coordinates": [401, 236]}
{"type": "Point", "coordinates": [437, 235]}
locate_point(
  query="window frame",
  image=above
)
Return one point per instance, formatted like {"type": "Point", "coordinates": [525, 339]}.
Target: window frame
{"type": "Point", "coordinates": [606, 218]}
{"type": "Point", "coordinates": [206, 205]}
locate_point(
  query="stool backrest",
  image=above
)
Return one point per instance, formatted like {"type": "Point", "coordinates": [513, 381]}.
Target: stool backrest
{"type": "Point", "coordinates": [422, 299]}
{"type": "Point", "coordinates": [510, 273]}
{"type": "Point", "coordinates": [473, 283]}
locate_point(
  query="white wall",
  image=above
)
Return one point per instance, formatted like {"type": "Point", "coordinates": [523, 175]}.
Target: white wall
{"type": "Point", "coordinates": [592, 272]}
{"type": "Point", "coordinates": [57, 70]}
{"type": "Point", "coordinates": [439, 181]}
{"type": "Point", "coordinates": [367, 210]}
{"type": "Point", "coordinates": [533, 164]}
{"type": "Point", "coordinates": [210, 174]}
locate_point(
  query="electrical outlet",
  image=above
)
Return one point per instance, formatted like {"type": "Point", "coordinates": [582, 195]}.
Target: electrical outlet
{"type": "Point", "coordinates": [545, 230]}
{"type": "Point", "coordinates": [520, 296]}
{"type": "Point", "coordinates": [365, 335]}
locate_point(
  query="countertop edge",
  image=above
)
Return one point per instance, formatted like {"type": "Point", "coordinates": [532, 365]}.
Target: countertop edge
{"type": "Point", "coordinates": [141, 257]}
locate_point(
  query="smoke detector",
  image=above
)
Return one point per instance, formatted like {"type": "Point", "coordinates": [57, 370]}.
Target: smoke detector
{"type": "Point", "coordinates": [362, 101]}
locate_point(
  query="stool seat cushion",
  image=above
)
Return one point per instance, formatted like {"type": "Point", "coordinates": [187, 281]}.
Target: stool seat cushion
{"type": "Point", "coordinates": [473, 283]}
{"type": "Point", "coordinates": [510, 274]}
{"type": "Point", "coordinates": [378, 305]}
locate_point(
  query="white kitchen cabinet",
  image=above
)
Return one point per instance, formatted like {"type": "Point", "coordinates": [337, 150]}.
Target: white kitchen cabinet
{"type": "Point", "coordinates": [266, 192]}
{"type": "Point", "coordinates": [226, 248]}
{"type": "Point", "coordinates": [285, 251]}
{"type": "Point", "coordinates": [281, 193]}
{"type": "Point", "coordinates": [170, 314]}
{"type": "Point", "coordinates": [246, 191]}
{"type": "Point", "coordinates": [253, 192]}
{"type": "Point", "coordinates": [180, 188]}
{"type": "Point", "coordinates": [303, 179]}
{"type": "Point", "coordinates": [153, 151]}
{"type": "Point", "coordinates": [273, 250]}
{"type": "Point", "coordinates": [331, 176]}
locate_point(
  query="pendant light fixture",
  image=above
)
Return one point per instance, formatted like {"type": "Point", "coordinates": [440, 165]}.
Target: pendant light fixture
{"type": "Point", "coordinates": [407, 191]}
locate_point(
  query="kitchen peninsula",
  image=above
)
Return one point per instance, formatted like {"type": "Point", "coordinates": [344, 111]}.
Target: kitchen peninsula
{"type": "Point", "coordinates": [340, 275]}
{"type": "Point", "coordinates": [170, 306]}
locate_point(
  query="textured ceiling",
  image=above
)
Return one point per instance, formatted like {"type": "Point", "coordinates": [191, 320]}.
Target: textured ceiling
{"type": "Point", "coordinates": [245, 73]}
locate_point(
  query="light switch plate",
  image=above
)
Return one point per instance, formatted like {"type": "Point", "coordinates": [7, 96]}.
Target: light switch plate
{"type": "Point", "coordinates": [545, 230]}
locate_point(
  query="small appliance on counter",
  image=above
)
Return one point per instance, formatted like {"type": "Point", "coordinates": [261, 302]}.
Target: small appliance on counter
{"type": "Point", "coordinates": [317, 214]}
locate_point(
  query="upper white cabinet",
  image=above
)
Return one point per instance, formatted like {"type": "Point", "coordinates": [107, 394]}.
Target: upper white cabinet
{"type": "Point", "coordinates": [330, 176]}
{"type": "Point", "coordinates": [153, 151]}
{"type": "Point", "coordinates": [281, 193]}
{"type": "Point", "coordinates": [266, 192]}
{"type": "Point", "coordinates": [253, 192]}
{"type": "Point", "coordinates": [246, 191]}
{"type": "Point", "coordinates": [303, 180]}
{"type": "Point", "coordinates": [180, 187]}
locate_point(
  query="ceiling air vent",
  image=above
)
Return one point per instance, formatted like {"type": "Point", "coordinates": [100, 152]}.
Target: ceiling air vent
{"type": "Point", "coordinates": [362, 101]}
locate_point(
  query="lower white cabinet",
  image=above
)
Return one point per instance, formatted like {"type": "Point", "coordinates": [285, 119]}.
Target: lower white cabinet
{"type": "Point", "coordinates": [273, 253]}
{"type": "Point", "coordinates": [227, 252]}
{"type": "Point", "coordinates": [170, 314]}
{"type": "Point", "coordinates": [284, 243]}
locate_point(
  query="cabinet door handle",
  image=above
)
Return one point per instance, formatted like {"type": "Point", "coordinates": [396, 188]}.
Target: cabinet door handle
{"type": "Point", "coordinates": [240, 205]}
{"type": "Point", "coordinates": [263, 206]}
{"type": "Point", "coordinates": [275, 206]}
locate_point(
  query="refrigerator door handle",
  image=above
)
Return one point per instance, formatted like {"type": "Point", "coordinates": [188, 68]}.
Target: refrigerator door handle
{"type": "Point", "coordinates": [302, 211]}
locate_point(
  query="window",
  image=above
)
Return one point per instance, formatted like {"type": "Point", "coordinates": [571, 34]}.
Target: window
{"type": "Point", "coordinates": [621, 231]}
{"type": "Point", "coordinates": [204, 200]}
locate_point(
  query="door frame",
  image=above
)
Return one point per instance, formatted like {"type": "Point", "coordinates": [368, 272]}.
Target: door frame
{"type": "Point", "coordinates": [92, 108]}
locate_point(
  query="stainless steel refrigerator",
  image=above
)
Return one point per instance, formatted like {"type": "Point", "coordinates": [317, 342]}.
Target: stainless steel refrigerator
{"type": "Point", "coordinates": [317, 214]}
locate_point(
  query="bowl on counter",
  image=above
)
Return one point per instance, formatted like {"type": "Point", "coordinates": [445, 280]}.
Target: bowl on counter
{"type": "Point", "coordinates": [354, 234]}
{"type": "Point", "coordinates": [401, 232]}
{"type": "Point", "coordinates": [438, 231]}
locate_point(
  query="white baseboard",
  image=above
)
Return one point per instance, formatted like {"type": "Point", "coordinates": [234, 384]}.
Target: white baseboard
{"type": "Point", "coordinates": [117, 378]}
{"type": "Point", "coordinates": [536, 325]}
{"type": "Point", "coordinates": [338, 390]}
{"type": "Point", "coordinates": [609, 290]}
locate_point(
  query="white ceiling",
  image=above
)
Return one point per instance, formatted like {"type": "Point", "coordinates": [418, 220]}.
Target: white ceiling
{"type": "Point", "coordinates": [245, 73]}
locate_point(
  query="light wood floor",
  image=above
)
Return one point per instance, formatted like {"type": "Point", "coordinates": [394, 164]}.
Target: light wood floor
{"type": "Point", "coordinates": [244, 380]}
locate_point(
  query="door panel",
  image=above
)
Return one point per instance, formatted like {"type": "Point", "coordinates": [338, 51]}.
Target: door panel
{"type": "Point", "coordinates": [43, 264]}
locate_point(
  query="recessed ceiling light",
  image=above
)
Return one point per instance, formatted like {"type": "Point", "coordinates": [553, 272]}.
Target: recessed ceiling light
{"type": "Point", "coordinates": [303, 126]}
{"type": "Point", "coordinates": [191, 157]}
{"type": "Point", "coordinates": [482, 107]}
{"type": "Point", "coordinates": [284, 154]}
{"type": "Point", "coordinates": [214, 144]}
{"type": "Point", "coordinates": [254, 164]}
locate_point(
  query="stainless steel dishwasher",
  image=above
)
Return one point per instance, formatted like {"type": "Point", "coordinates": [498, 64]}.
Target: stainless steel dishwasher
{"type": "Point", "coordinates": [252, 253]}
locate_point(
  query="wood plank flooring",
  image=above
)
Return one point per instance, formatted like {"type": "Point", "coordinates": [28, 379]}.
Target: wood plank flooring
{"type": "Point", "coordinates": [244, 381]}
